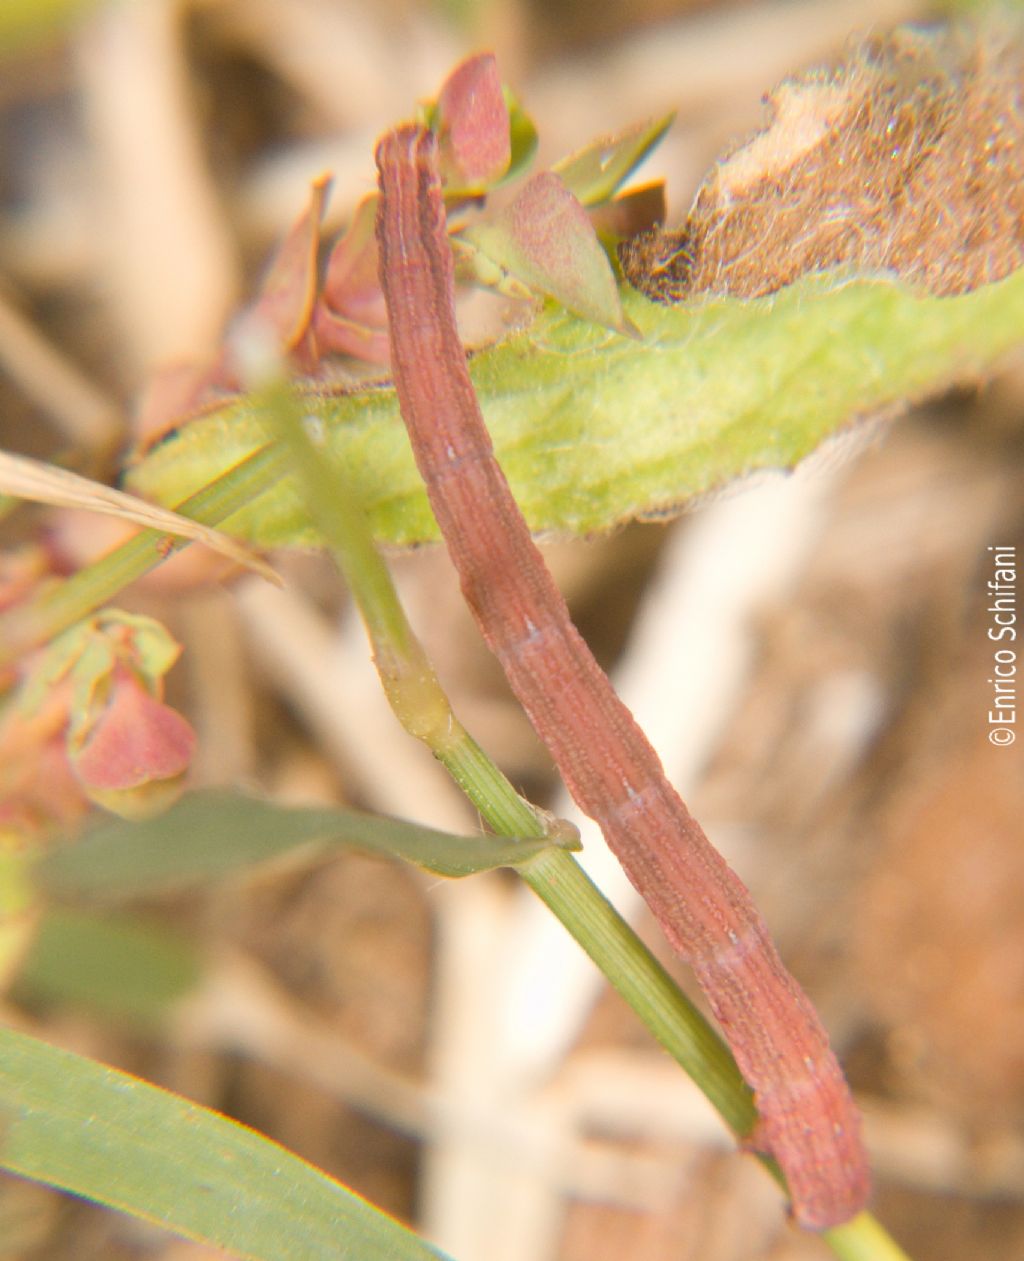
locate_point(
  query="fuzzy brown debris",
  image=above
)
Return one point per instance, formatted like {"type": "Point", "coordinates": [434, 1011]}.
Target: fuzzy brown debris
{"type": "Point", "coordinates": [807, 1119]}
{"type": "Point", "coordinates": [907, 160]}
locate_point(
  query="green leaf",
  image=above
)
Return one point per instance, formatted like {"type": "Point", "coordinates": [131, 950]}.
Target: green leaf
{"type": "Point", "coordinates": [75, 1124]}
{"type": "Point", "coordinates": [206, 835]}
{"type": "Point", "coordinates": [545, 240]}
{"type": "Point", "coordinates": [596, 173]}
{"type": "Point", "coordinates": [593, 429]}
{"type": "Point", "coordinates": [118, 966]}
{"type": "Point", "coordinates": [522, 136]}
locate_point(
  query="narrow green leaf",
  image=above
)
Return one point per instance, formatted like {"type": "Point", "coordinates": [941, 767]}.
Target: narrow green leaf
{"type": "Point", "coordinates": [72, 1123]}
{"type": "Point", "coordinates": [58, 606]}
{"type": "Point", "coordinates": [593, 429]}
{"type": "Point", "coordinates": [597, 172]}
{"type": "Point", "coordinates": [118, 966]}
{"type": "Point", "coordinates": [39, 482]}
{"type": "Point", "coordinates": [209, 834]}
{"type": "Point", "coordinates": [522, 136]}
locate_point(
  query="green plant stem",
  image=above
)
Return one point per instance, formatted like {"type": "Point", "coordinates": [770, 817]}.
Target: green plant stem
{"type": "Point", "coordinates": [563, 886]}
{"type": "Point", "coordinates": [412, 687]}
{"type": "Point", "coordinates": [553, 875]}
{"type": "Point", "coordinates": [559, 881]}
{"type": "Point", "coordinates": [58, 607]}
{"type": "Point", "coordinates": [863, 1239]}
{"type": "Point", "coordinates": [422, 707]}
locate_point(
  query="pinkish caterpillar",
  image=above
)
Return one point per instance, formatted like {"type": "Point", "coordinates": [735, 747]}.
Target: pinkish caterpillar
{"type": "Point", "coordinates": [807, 1119]}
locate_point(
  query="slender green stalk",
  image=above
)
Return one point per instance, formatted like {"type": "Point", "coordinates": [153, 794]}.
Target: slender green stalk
{"type": "Point", "coordinates": [58, 607]}
{"type": "Point", "coordinates": [412, 687]}
{"type": "Point", "coordinates": [553, 875]}
{"type": "Point", "coordinates": [863, 1239]}
{"type": "Point", "coordinates": [562, 885]}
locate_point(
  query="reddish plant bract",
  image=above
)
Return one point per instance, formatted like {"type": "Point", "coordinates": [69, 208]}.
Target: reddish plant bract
{"type": "Point", "coordinates": [807, 1119]}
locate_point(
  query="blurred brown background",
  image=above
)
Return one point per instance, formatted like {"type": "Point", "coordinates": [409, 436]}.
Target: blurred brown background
{"type": "Point", "coordinates": [809, 653]}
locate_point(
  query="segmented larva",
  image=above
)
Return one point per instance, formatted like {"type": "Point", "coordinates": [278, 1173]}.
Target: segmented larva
{"type": "Point", "coordinates": [807, 1119]}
